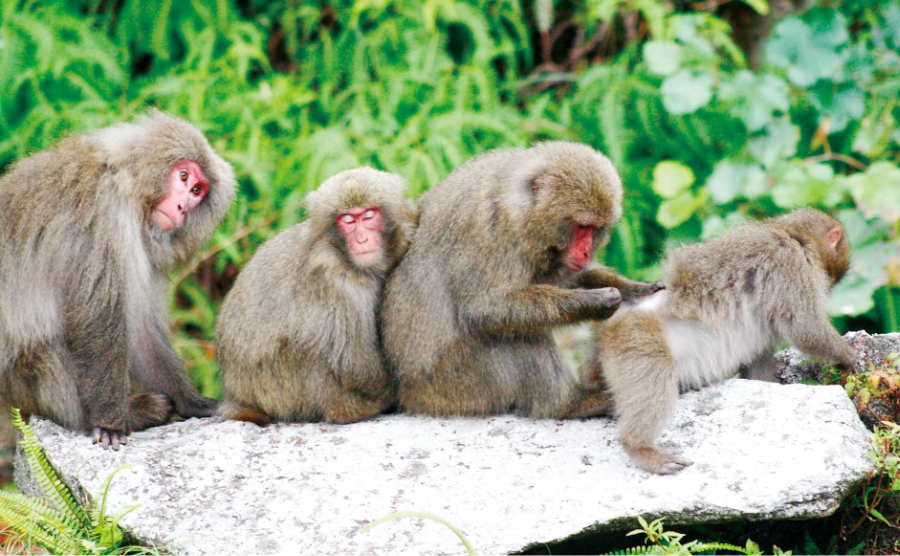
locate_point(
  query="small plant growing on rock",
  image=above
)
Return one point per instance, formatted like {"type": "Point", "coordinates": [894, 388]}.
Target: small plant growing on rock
{"type": "Point", "coordinates": [660, 541]}
{"type": "Point", "coordinates": [58, 522]}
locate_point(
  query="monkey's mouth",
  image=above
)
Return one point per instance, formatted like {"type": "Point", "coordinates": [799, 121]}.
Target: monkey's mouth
{"type": "Point", "coordinates": [165, 222]}
{"type": "Point", "coordinates": [366, 256]}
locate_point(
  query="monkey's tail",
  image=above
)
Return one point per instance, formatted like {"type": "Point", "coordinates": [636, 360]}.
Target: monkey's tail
{"type": "Point", "coordinates": [237, 412]}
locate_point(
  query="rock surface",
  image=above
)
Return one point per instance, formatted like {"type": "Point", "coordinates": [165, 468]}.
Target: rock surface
{"type": "Point", "coordinates": [762, 451]}
{"type": "Point", "coordinates": [793, 367]}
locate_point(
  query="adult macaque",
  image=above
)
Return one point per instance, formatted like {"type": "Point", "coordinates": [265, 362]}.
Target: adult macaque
{"type": "Point", "coordinates": [727, 304]}
{"type": "Point", "coordinates": [504, 253]}
{"type": "Point", "coordinates": [297, 334]}
{"type": "Point", "coordinates": [88, 232]}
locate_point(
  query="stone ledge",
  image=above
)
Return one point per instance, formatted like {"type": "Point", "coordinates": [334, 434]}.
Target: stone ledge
{"type": "Point", "coordinates": [761, 451]}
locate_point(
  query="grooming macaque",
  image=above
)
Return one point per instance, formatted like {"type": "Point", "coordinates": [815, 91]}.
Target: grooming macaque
{"type": "Point", "coordinates": [504, 253]}
{"type": "Point", "coordinates": [727, 304]}
{"type": "Point", "coordinates": [88, 232]}
{"type": "Point", "coordinates": [297, 337]}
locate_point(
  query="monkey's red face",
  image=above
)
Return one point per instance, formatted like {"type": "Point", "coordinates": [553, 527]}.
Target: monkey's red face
{"type": "Point", "coordinates": [361, 228]}
{"type": "Point", "coordinates": [581, 250]}
{"type": "Point", "coordinates": [187, 186]}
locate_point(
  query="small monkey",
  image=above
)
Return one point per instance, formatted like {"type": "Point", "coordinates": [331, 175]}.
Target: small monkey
{"type": "Point", "coordinates": [727, 304]}
{"type": "Point", "coordinates": [89, 231]}
{"type": "Point", "coordinates": [297, 338]}
{"type": "Point", "coordinates": [503, 253]}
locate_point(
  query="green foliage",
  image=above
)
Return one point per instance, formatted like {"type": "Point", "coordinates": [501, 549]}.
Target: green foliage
{"type": "Point", "coordinates": [660, 541]}
{"type": "Point", "coordinates": [58, 522]}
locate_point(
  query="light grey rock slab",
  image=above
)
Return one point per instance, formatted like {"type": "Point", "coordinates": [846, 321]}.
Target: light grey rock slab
{"type": "Point", "coordinates": [762, 451]}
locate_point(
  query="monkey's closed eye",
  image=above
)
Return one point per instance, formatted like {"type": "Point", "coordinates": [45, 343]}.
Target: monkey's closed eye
{"type": "Point", "coordinates": [368, 214]}
{"type": "Point", "coordinates": [183, 175]}
{"type": "Point", "coordinates": [347, 219]}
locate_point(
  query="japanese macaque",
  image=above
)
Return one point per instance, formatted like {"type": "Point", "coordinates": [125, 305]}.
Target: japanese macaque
{"type": "Point", "coordinates": [504, 252]}
{"type": "Point", "coordinates": [727, 304]}
{"type": "Point", "coordinates": [89, 231]}
{"type": "Point", "coordinates": [297, 336]}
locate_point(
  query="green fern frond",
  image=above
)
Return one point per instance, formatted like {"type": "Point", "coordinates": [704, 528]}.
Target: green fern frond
{"type": "Point", "coordinates": [703, 547]}
{"type": "Point", "coordinates": [54, 489]}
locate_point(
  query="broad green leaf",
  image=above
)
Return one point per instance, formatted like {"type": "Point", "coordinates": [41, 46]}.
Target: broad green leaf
{"type": "Point", "coordinates": [809, 48]}
{"type": "Point", "coordinates": [754, 100]}
{"type": "Point", "coordinates": [663, 57]}
{"type": "Point", "coordinates": [730, 180]}
{"type": "Point", "coordinates": [877, 190]}
{"type": "Point", "coordinates": [841, 103]}
{"type": "Point", "coordinates": [853, 294]}
{"type": "Point", "coordinates": [674, 212]}
{"type": "Point", "coordinates": [778, 143]}
{"type": "Point", "coordinates": [686, 91]}
{"type": "Point", "coordinates": [671, 178]}
{"type": "Point", "coordinates": [808, 185]}
{"type": "Point", "coordinates": [761, 6]}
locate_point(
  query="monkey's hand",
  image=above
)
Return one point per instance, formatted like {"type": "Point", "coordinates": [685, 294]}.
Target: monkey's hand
{"type": "Point", "coordinates": [636, 290]}
{"type": "Point", "coordinates": [197, 406]}
{"type": "Point", "coordinates": [110, 438]}
{"type": "Point", "coordinates": [597, 303]}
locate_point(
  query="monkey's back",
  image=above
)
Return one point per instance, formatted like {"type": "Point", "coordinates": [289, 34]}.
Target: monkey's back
{"type": "Point", "coordinates": [293, 321]}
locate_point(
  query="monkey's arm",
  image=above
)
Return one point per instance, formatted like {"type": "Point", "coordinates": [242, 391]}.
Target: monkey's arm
{"type": "Point", "coordinates": [535, 308]}
{"type": "Point", "coordinates": [601, 277]}
{"type": "Point", "coordinates": [807, 326]}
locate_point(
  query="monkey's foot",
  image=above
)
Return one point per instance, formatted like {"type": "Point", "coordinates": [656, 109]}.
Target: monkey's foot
{"type": "Point", "coordinates": [109, 438]}
{"type": "Point", "coordinates": [659, 460]}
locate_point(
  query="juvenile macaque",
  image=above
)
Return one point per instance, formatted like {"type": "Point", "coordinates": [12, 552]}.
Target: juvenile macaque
{"type": "Point", "coordinates": [727, 304]}
{"type": "Point", "coordinates": [88, 233]}
{"type": "Point", "coordinates": [504, 253]}
{"type": "Point", "coordinates": [297, 335]}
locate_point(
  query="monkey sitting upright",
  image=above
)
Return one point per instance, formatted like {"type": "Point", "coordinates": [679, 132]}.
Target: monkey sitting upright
{"type": "Point", "coordinates": [503, 253]}
{"type": "Point", "coordinates": [727, 304]}
{"type": "Point", "coordinates": [89, 231]}
{"type": "Point", "coordinates": [297, 339]}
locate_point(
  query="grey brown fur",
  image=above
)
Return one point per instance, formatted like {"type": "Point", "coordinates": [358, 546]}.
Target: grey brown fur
{"type": "Point", "coordinates": [468, 313]}
{"type": "Point", "coordinates": [728, 303]}
{"type": "Point", "coordinates": [297, 334]}
{"type": "Point", "coordinates": [83, 320]}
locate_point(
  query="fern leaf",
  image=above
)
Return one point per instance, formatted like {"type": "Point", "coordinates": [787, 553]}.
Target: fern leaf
{"type": "Point", "coordinates": [54, 489]}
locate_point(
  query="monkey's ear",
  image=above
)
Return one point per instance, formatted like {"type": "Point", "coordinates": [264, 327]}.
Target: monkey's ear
{"type": "Point", "coordinates": [833, 237]}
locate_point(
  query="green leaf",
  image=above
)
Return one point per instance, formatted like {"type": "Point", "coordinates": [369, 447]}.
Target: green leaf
{"type": "Point", "coordinates": [663, 57]}
{"type": "Point", "coordinates": [853, 294]}
{"type": "Point", "coordinates": [730, 180]}
{"type": "Point", "coordinates": [841, 103]}
{"type": "Point", "coordinates": [754, 100]}
{"type": "Point", "coordinates": [761, 6]}
{"type": "Point", "coordinates": [673, 212]}
{"type": "Point", "coordinates": [687, 91]}
{"type": "Point", "coordinates": [810, 48]}
{"type": "Point", "coordinates": [778, 143]}
{"type": "Point", "coordinates": [877, 190]}
{"type": "Point", "coordinates": [808, 185]}
{"type": "Point", "coordinates": [671, 178]}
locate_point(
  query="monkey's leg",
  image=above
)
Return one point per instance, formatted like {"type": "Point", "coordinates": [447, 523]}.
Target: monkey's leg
{"type": "Point", "coordinates": [590, 403]}
{"type": "Point", "coordinates": [643, 378]}
{"type": "Point", "coordinates": [761, 368]}
{"type": "Point", "coordinates": [462, 381]}
{"type": "Point", "coordinates": [42, 382]}
{"type": "Point", "coordinates": [602, 277]}
{"type": "Point", "coordinates": [158, 369]}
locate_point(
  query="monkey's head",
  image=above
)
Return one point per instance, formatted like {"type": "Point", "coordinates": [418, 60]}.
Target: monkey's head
{"type": "Point", "coordinates": [364, 215]}
{"type": "Point", "coordinates": [577, 201]}
{"type": "Point", "coordinates": [825, 235]}
{"type": "Point", "coordinates": [166, 167]}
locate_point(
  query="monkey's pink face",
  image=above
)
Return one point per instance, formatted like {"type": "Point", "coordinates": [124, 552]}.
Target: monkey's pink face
{"type": "Point", "coordinates": [581, 250]}
{"type": "Point", "coordinates": [361, 228]}
{"type": "Point", "coordinates": [187, 186]}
